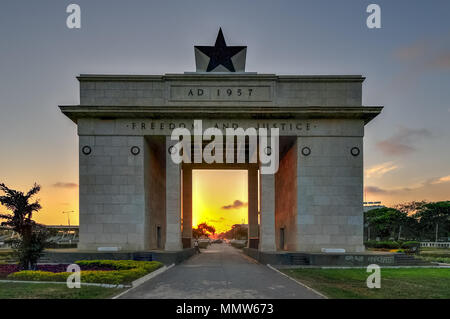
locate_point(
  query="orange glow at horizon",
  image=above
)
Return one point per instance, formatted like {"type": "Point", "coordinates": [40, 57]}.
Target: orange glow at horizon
{"type": "Point", "coordinates": [54, 201]}
{"type": "Point", "coordinates": [212, 190]}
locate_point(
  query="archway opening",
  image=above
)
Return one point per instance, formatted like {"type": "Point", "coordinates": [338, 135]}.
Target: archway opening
{"type": "Point", "coordinates": [220, 199]}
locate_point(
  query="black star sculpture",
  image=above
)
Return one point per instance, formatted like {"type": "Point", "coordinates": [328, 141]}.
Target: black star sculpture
{"type": "Point", "coordinates": [221, 54]}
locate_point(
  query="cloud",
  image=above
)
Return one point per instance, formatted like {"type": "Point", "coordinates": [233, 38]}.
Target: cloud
{"type": "Point", "coordinates": [426, 184]}
{"type": "Point", "coordinates": [65, 185]}
{"type": "Point", "coordinates": [402, 142]}
{"type": "Point", "coordinates": [374, 190]}
{"type": "Point", "coordinates": [412, 52]}
{"type": "Point", "coordinates": [425, 54]}
{"type": "Point", "coordinates": [236, 205]}
{"type": "Point", "coordinates": [390, 191]}
{"type": "Point", "coordinates": [444, 179]}
{"type": "Point", "coordinates": [391, 148]}
{"type": "Point", "coordinates": [380, 169]}
{"type": "Point", "coordinates": [442, 61]}
{"type": "Point", "coordinates": [221, 219]}
{"type": "Point", "coordinates": [429, 54]}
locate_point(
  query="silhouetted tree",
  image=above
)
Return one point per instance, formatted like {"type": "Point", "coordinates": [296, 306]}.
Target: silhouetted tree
{"type": "Point", "coordinates": [203, 230]}
{"type": "Point", "coordinates": [386, 222]}
{"type": "Point", "coordinates": [434, 219]}
{"type": "Point", "coordinates": [411, 227]}
{"type": "Point", "coordinates": [416, 219]}
{"type": "Point", "coordinates": [410, 208]}
{"type": "Point", "coordinates": [237, 231]}
{"type": "Point", "coordinates": [32, 235]}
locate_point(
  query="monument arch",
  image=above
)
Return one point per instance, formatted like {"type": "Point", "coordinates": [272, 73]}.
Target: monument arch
{"type": "Point", "coordinates": [131, 191]}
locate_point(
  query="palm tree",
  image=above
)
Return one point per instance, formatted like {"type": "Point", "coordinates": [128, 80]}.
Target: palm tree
{"type": "Point", "coordinates": [32, 235]}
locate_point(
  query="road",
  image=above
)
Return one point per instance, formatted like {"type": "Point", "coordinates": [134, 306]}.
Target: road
{"type": "Point", "coordinates": [220, 271]}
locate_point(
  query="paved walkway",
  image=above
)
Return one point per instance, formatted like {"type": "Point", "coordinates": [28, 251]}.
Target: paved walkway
{"type": "Point", "coordinates": [220, 271]}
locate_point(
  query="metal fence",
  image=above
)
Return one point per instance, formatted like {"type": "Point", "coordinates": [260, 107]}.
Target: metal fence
{"type": "Point", "coordinates": [435, 244]}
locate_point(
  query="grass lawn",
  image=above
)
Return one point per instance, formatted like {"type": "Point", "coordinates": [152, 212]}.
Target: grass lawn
{"type": "Point", "coordinates": [416, 283]}
{"type": "Point", "coordinates": [441, 255]}
{"type": "Point", "coordinates": [53, 291]}
{"type": "Point", "coordinates": [433, 251]}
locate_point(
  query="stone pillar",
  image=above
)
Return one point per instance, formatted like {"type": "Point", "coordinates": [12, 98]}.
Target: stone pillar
{"type": "Point", "coordinates": [187, 207]}
{"type": "Point", "coordinates": [267, 234]}
{"type": "Point", "coordinates": [173, 201]}
{"type": "Point", "coordinates": [253, 227]}
{"type": "Point", "coordinates": [330, 193]}
{"type": "Point", "coordinates": [113, 209]}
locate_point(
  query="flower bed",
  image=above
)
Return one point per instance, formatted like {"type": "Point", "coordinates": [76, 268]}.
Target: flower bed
{"type": "Point", "coordinates": [407, 246]}
{"type": "Point", "coordinates": [94, 271]}
{"type": "Point", "coordinates": [6, 269]}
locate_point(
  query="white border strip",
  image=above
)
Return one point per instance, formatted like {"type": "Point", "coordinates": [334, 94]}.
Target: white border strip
{"type": "Point", "coordinates": [298, 282]}
{"type": "Point", "coordinates": [149, 276]}
{"type": "Point", "coordinates": [64, 283]}
{"type": "Point", "coordinates": [144, 279]}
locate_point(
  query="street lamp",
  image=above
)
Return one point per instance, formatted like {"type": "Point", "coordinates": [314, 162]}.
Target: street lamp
{"type": "Point", "coordinates": [68, 215]}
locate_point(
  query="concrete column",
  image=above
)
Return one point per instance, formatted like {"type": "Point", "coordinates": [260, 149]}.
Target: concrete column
{"type": "Point", "coordinates": [267, 234]}
{"type": "Point", "coordinates": [187, 207]}
{"type": "Point", "coordinates": [173, 201]}
{"type": "Point", "coordinates": [330, 193]}
{"type": "Point", "coordinates": [113, 211]}
{"type": "Point", "coordinates": [253, 227]}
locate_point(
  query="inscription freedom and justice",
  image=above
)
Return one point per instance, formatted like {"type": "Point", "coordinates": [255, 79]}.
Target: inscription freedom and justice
{"type": "Point", "coordinates": [162, 125]}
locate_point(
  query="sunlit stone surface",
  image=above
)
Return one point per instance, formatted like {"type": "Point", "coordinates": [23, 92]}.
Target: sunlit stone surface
{"type": "Point", "coordinates": [131, 191]}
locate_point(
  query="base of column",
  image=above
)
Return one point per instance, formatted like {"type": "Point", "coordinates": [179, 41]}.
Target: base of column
{"type": "Point", "coordinates": [253, 243]}
{"type": "Point", "coordinates": [267, 246]}
{"type": "Point", "coordinates": [268, 249]}
{"type": "Point", "coordinates": [187, 242]}
{"type": "Point", "coordinates": [173, 247]}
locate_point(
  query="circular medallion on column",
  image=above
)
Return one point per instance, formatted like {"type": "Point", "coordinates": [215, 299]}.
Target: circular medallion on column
{"type": "Point", "coordinates": [306, 151]}
{"type": "Point", "coordinates": [355, 151]}
{"type": "Point", "coordinates": [86, 150]}
{"type": "Point", "coordinates": [172, 149]}
{"type": "Point", "coordinates": [135, 150]}
{"type": "Point", "coordinates": [268, 150]}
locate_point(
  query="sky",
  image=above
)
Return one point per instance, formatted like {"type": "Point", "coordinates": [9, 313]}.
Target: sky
{"type": "Point", "coordinates": [406, 62]}
{"type": "Point", "coordinates": [219, 204]}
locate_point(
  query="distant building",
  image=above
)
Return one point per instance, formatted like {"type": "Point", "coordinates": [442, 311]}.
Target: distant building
{"type": "Point", "coordinates": [372, 205]}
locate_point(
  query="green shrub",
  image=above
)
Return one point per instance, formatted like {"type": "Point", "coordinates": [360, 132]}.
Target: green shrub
{"type": "Point", "coordinates": [114, 277]}
{"type": "Point", "coordinates": [122, 264]}
{"type": "Point", "coordinates": [392, 244]}
{"type": "Point", "coordinates": [31, 275]}
{"type": "Point", "coordinates": [411, 244]}
{"type": "Point", "coordinates": [125, 272]}
{"type": "Point", "coordinates": [60, 245]}
{"type": "Point", "coordinates": [116, 264]}
{"type": "Point", "coordinates": [437, 259]}
{"type": "Point", "coordinates": [382, 244]}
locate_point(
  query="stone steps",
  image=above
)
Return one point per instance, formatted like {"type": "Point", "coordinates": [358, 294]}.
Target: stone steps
{"type": "Point", "coordinates": [9, 261]}
{"type": "Point", "coordinates": [408, 260]}
{"type": "Point", "coordinates": [298, 259]}
{"type": "Point", "coordinates": [143, 256]}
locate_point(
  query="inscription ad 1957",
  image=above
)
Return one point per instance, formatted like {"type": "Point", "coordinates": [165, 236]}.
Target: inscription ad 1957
{"type": "Point", "coordinates": [221, 93]}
